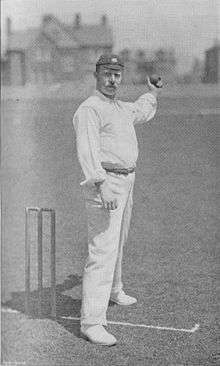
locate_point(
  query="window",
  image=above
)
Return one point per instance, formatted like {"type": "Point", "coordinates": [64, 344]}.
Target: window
{"type": "Point", "coordinates": [68, 63]}
{"type": "Point", "coordinates": [43, 54]}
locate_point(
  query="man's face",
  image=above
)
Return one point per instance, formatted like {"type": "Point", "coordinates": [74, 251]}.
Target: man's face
{"type": "Point", "coordinates": [108, 80]}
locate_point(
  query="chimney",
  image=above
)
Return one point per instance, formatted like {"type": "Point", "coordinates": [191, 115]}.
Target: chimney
{"type": "Point", "coordinates": [104, 20]}
{"type": "Point", "coordinates": [46, 19]}
{"type": "Point", "coordinates": [77, 21]}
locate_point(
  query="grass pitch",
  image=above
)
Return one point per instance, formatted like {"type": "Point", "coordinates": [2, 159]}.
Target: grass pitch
{"type": "Point", "coordinates": [171, 258]}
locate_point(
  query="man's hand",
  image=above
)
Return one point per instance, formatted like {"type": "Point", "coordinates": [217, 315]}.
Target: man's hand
{"type": "Point", "coordinates": [155, 90]}
{"type": "Point", "coordinates": [107, 197]}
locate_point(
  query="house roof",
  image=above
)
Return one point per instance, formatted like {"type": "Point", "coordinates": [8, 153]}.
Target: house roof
{"type": "Point", "coordinates": [61, 38]}
{"type": "Point", "coordinates": [23, 39]}
{"type": "Point", "coordinates": [91, 35]}
{"type": "Point", "coordinates": [62, 35]}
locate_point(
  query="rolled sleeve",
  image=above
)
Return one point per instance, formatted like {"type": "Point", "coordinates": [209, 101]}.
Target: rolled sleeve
{"type": "Point", "coordinates": [144, 108]}
{"type": "Point", "coordinates": [87, 126]}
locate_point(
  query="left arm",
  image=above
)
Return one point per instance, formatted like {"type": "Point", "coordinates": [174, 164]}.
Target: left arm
{"type": "Point", "coordinates": [144, 108]}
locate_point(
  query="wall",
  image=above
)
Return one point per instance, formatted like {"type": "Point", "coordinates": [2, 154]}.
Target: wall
{"type": "Point", "coordinates": [212, 65]}
{"type": "Point", "coordinates": [17, 68]}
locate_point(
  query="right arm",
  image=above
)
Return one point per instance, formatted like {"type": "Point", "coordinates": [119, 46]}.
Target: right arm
{"type": "Point", "coordinates": [87, 125]}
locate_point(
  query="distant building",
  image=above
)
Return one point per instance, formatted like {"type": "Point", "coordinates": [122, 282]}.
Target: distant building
{"type": "Point", "coordinates": [212, 64]}
{"type": "Point", "coordinates": [162, 62]}
{"type": "Point", "coordinates": [144, 66]}
{"type": "Point", "coordinates": [130, 69]}
{"type": "Point", "coordinates": [4, 71]}
{"type": "Point", "coordinates": [194, 75]}
{"type": "Point", "coordinates": [197, 70]}
{"type": "Point", "coordinates": [55, 51]}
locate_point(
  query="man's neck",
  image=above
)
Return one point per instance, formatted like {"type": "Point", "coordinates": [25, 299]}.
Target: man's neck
{"type": "Point", "coordinates": [112, 97]}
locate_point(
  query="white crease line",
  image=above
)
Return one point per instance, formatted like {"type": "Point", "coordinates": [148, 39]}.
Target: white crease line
{"type": "Point", "coordinates": [192, 330]}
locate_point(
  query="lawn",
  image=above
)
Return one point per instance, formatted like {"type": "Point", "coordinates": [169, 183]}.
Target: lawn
{"type": "Point", "coordinates": [171, 258]}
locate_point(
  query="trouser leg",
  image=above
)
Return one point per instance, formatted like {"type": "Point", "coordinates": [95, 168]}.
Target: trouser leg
{"type": "Point", "coordinates": [117, 284]}
{"type": "Point", "coordinates": [104, 229]}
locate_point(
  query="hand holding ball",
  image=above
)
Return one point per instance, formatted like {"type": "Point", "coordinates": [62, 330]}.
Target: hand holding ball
{"type": "Point", "coordinates": [156, 81]}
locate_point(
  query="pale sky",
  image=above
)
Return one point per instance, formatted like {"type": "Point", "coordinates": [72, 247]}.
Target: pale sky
{"type": "Point", "coordinates": [189, 26]}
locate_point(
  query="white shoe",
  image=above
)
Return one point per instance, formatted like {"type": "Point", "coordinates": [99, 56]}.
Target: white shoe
{"type": "Point", "coordinates": [98, 335]}
{"type": "Point", "coordinates": [122, 299]}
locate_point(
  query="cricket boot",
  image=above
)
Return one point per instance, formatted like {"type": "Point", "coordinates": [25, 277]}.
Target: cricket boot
{"type": "Point", "coordinates": [121, 298]}
{"type": "Point", "coordinates": [98, 335]}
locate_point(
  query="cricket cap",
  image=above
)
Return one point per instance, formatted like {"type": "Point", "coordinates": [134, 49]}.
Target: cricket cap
{"type": "Point", "coordinates": [111, 61]}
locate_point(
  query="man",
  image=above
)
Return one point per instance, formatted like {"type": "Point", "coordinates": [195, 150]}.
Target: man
{"type": "Point", "coordinates": [107, 151]}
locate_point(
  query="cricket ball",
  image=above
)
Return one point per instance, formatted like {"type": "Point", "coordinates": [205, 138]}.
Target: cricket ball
{"type": "Point", "coordinates": [156, 80]}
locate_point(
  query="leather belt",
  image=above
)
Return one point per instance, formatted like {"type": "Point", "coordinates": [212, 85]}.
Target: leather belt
{"type": "Point", "coordinates": [117, 170]}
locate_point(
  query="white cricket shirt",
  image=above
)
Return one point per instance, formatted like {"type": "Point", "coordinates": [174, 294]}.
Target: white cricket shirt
{"type": "Point", "coordinates": [105, 132]}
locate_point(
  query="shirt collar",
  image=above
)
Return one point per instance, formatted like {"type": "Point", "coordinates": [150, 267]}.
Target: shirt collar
{"type": "Point", "coordinates": [104, 98]}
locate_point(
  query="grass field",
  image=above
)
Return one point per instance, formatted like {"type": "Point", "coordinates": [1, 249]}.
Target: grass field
{"type": "Point", "coordinates": [172, 256]}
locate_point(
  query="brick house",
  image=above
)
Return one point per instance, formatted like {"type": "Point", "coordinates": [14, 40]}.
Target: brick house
{"type": "Point", "coordinates": [55, 52]}
{"type": "Point", "coordinates": [212, 64]}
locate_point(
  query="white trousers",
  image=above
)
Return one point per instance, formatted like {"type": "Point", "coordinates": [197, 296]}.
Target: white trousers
{"type": "Point", "coordinates": [107, 233]}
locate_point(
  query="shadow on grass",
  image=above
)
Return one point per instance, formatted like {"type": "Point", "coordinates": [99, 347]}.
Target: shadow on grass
{"type": "Point", "coordinates": [66, 306]}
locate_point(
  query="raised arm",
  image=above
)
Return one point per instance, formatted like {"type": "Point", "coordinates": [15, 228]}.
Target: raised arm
{"type": "Point", "coordinates": [87, 125]}
{"type": "Point", "coordinates": [144, 108]}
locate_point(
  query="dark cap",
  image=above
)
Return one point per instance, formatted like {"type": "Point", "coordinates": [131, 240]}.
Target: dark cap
{"type": "Point", "coordinates": [110, 61]}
